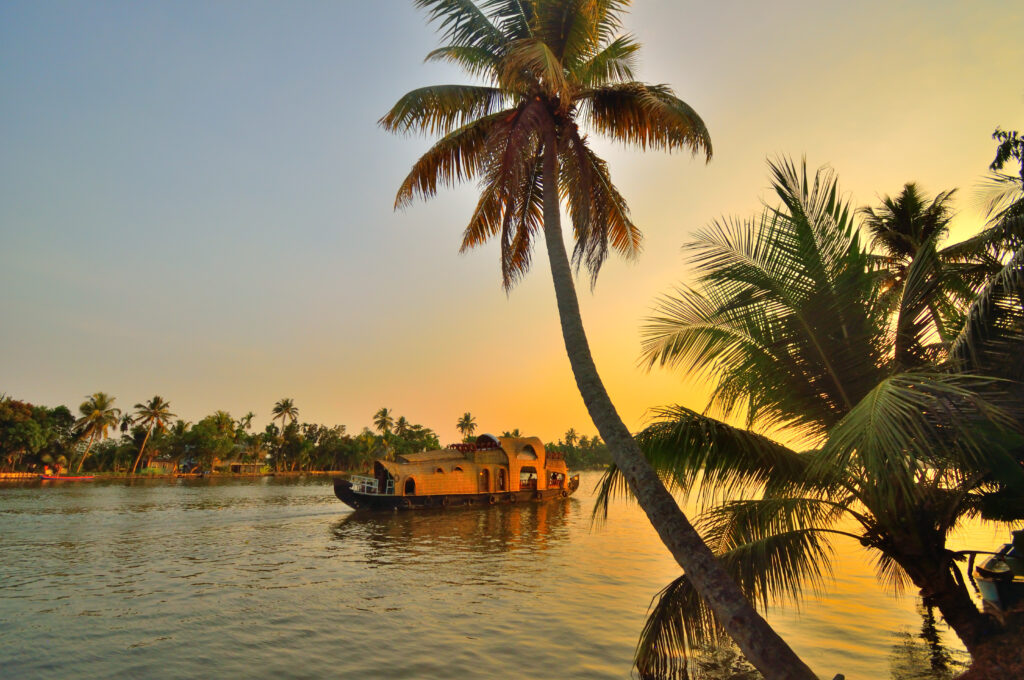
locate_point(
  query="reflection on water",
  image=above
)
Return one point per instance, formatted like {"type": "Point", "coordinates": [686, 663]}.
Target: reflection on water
{"type": "Point", "coordinates": [274, 578]}
{"type": "Point", "coordinates": [924, 657]}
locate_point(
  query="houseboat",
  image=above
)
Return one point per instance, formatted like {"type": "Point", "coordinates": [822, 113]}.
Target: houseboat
{"type": "Point", "coordinates": [488, 471]}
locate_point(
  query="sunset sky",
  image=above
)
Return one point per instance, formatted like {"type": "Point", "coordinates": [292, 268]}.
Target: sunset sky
{"type": "Point", "coordinates": [196, 199]}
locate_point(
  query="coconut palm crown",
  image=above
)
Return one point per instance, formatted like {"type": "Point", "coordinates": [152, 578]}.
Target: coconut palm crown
{"type": "Point", "coordinates": [98, 415]}
{"type": "Point", "coordinates": [549, 68]}
{"type": "Point", "coordinates": [285, 409]}
{"type": "Point", "coordinates": [153, 414]}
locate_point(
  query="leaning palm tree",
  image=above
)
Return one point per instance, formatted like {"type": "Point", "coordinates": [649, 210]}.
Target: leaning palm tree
{"type": "Point", "coordinates": [788, 320]}
{"type": "Point", "coordinates": [285, 410]}
{"type": "Point", "coordinates": [550, 69]}
{"type": "Point", "coordinates": [154, 414]}
{"type": "Point", "coordinates": [466, 425]}
{"type": "Point", "coordinates": [98, 416]}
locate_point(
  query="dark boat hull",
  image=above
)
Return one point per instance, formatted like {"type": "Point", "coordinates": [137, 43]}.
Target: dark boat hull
{"type": "Point", "coordinates": [363, 501]}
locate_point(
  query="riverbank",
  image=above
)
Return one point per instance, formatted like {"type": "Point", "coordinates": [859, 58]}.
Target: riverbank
{"type": "Point", "coordinates": [31, 476]}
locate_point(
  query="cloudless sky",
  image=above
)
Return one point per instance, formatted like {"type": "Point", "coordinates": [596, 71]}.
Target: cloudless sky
{"type": "Point", "coordinates": [196, 199]}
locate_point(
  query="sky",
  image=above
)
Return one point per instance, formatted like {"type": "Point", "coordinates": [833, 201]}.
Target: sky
{"type": "Point", "coordinates": [196, 199]}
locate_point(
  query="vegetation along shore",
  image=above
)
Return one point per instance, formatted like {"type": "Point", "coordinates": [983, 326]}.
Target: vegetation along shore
{"type": "Point", "coordinates": [150, 440]}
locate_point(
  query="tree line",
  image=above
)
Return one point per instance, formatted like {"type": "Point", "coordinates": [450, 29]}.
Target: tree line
{"type": "Point", "coordinates": [150, 438]}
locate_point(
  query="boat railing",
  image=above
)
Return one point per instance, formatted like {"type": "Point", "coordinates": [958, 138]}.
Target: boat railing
{"type": "Point", "coordinates": [364, 484]}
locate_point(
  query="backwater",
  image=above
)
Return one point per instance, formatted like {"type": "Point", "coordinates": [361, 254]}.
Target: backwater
{"type": "Point", "coordinates": [275, 578]}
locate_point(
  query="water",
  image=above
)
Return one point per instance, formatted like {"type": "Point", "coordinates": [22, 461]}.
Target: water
{"type": "Point", "coordinates": [265, 578]}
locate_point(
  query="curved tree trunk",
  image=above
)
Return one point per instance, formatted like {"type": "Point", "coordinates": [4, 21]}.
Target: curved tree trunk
{"type": "Point", "coordinates": [760, 644]}
{"type": "Point", "coordinates": [88, 448]}
{"type": "Point", "coordinates": [142, 448]}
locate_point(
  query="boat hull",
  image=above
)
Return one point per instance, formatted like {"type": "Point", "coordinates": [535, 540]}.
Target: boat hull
{"type": "Point", "coordinates": [364, 501]}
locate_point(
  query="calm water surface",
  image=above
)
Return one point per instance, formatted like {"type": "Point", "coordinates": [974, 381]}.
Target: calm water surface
{"type": "Point", "coordinates": [269, 578]}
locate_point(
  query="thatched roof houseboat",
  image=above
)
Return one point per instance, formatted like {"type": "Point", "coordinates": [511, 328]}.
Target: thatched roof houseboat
{"type": "Point", "coordinates": [488, 471]}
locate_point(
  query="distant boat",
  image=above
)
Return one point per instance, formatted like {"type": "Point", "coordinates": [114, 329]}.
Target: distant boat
{"type": "Point", "coordinates": [57, 478]}
{"type": "Point", "coordinates": [489, 471]}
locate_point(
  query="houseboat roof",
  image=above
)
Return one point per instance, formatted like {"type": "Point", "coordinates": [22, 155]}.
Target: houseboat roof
{"type": "Point", "coordinates": [429, 456]}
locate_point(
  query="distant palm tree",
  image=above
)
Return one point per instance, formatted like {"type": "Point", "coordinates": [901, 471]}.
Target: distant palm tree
{"type": "Point", "coordinates": [401, 426]}
{"type": "Point", "coordinates": [466, 425]}
{"type": "Point", "coordinates": [383, 421]}
{"type": "Point", "coordinates": [285, 410]}
{"type": "Point", "coordinates": [126, 423]}
{"type": "Point", "coordinates": [907, 229]}
{"type": "Point", "coordinates": [98, 416]}
{"type": "Point", "coordinates": [154, 414]}
{"type": "Point", "coordinates": [571, 437]}
{"type": "Point", "coordinates": [552, 67]}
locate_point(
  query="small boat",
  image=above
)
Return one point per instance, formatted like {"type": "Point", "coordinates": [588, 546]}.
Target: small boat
{"type": "Point", "coordinates": [1000, 578]}
{"type": "Point", "coordinates": [58, 478]}
{"type": "Point", "coordinates": [488, 471]}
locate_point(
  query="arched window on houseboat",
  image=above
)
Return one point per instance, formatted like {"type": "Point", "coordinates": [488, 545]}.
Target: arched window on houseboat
{"type": "Point", "coordinates": [528, 478]}
{"type": "Point", "coordinates": [410, 487]}
{"type": "Point", "coordinates": [501, 479]}
{"type": "Point", "coordinates": [485, 480]}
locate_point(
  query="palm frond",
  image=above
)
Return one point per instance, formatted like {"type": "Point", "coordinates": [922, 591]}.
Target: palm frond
{"type": "Point", "coordinates": [530, 63]}
{"type": "Point", "coordinates": [678, 623]}
{"type": "Point", "coordinates": [510, 190]}
{"type": "Point", "coordinates": [648, 116]}
{"type": "Point", "coordinates": [912, 421]}
{"type": "Point", "coordinates": [613, 64]}
{"type": "Point", "coordinates": [458, 156]}
{"type": "Point", "coordinates": [462, 23]}
{"type": "Point", "coordinates": [598, 211]}
{"type": "Point", "coordinates": [440, 109]}
{"type": "Point", "coordinates": [993, 333]}
{"type": "Point", "coordinates": [475, 61]}
{"type": "Point", "coordinates": [771, 569]}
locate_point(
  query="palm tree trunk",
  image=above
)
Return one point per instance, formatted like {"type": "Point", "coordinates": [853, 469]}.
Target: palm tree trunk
{"type": "Point", "coordinates": [760, 644]}
{"type": "Point", "coordinates": [88, 448]}
{"type": "Point", "coordinates": [142, 448]}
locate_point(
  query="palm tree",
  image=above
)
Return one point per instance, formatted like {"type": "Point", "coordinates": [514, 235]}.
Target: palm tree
{"type": "Point", "coordinates": [156, 413]}
{"type": "Point", "coordinates": [551, 66]}
{"type": "Point", "coordinates": [383, 421]}
{"type": "Point", "coordinates": [126, 423]}
{"type": "Point", "coordinates": [466, 425]}
{"type": "Point", "coordinates": [908, 228]}
{"type": "Point", "coordinates": [401, 426]}
{"type": "Point", "coordinates": [285, 409]}
{"type": "Point", "coordinates": [789, 319]}
{"type": "Point", "coordinates": [98, 416]}
{"type": "Point", "coordinates": [571, 437]}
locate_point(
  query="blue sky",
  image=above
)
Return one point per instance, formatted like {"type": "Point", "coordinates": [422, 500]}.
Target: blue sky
{"type": "Point", "coordinates": [195, 198]}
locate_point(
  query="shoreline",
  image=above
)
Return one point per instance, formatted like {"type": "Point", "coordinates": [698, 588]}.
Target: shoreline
{"type": "Point", "coordinates": [98, 476]}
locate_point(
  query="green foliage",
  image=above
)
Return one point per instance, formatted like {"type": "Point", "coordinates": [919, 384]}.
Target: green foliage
{"type": "Point", "coordinates": [892, 374]}
{"type": "Point", "coordinates": [582, 453]}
